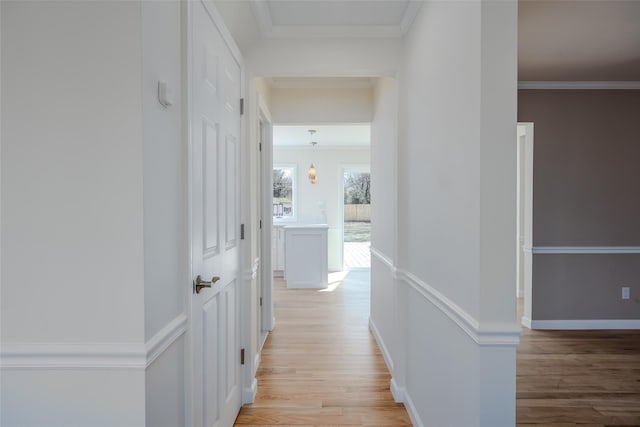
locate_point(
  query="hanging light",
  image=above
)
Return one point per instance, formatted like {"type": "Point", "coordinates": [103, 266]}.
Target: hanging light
{"type": "Point", "coordinates": [313, 177]}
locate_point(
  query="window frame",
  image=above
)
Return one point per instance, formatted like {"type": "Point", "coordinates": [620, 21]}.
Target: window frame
{"type": "Point", "coordinates": [294, 196]}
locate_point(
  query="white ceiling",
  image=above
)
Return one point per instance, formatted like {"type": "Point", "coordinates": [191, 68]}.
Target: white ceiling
{"type": "Point", "coordinates": [327, 136]}
{"type": "Point", "coordinates": [557, 39]}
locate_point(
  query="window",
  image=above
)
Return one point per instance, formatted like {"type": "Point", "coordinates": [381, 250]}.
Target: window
{"type": "Point", "coordinates": [284, 191]}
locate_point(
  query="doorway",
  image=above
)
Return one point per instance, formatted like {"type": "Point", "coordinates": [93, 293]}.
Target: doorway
{"type": "Point", "coordinates": [356, 218]}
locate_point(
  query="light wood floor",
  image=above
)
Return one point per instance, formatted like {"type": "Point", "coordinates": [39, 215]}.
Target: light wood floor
{"type": "Point", "coordinates": [320, 365]}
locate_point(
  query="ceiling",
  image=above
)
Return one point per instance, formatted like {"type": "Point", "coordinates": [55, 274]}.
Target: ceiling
{"type": "Point", "coordinates": [327, 136]}
{"type": "Point", "coordinates": [557, 39]}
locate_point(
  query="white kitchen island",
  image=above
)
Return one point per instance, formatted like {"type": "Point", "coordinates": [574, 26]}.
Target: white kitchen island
{"type": "Point", "coordinates": [306, 262]}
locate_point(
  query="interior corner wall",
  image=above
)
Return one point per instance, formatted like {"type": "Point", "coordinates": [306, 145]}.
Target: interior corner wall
{"type": "Point", "coordinates": [72, 213]}
{"type": "Point", "coordinates": [384, 190]}
{"type": "Point", "coordinates": [457, 172]}
{"type": "Point", "coordinates": [585, 196]}
{"type": "Point", "coordinates": [166, 279]}
{"type": "Point", "coordinates": [164, 168]}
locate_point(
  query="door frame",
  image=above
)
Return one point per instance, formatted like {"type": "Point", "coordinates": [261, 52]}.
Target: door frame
{"type": "Point", "coordinates": [265, 197]}
{"type": "Point", "coordinates": [525, 153]}
{"type": "Point", "coordinates": [187, 100]}
{"type": "Point", "coordinates": [344, 167]}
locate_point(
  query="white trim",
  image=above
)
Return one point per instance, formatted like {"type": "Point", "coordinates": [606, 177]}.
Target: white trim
{"type": "Point", "coordinates": [322, 147]}
{"type": "Point", "coordinates": [484, 334]}
{"type": "Point", "coordinates": [261, 12]}
{"type": "Point", "coordinates": [586, 324]}
{"type": "Point", "coordinates": [73, 356]}
{"type": "Point", "coordinates": [110, 355]}
{"type": "Point", "coordinates": [585, 249]}
{"type": "Point", "coordinates": [385, 260]}
{"type": "Point", "coordinates": [412, 411]}
{"type": "Point", "coordinates": [252, 273]}
{"type": "Point", "coordinates": [398, 392]}
{"type": "Point", "coordinates": [164, 338]}
{"type": "Point", "coordinates": [224, 31]}
{"type": "Point", "coordinates": [249, 393]}
{"type": "Point", "coordinates": [487, 334]}
{"type": "Point", "coordinates": [409, 16]}
{"type": "Point", "coordinates": [385, 351]}
{"type": "Point", "coordinates": [526, 322]}
{"type": "Point", "coordinates": [577, 85]}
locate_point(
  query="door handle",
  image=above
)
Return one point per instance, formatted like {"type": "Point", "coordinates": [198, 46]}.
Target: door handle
{"type": "Point", "coordinates": [198, 284]}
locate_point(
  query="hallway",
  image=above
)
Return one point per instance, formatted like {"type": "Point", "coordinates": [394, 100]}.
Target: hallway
{"type": "Point", "coordinates": [320, 365]}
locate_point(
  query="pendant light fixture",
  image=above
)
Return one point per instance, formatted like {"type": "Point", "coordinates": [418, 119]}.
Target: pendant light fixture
{"type": "Point", "coordinates": [313, 177]}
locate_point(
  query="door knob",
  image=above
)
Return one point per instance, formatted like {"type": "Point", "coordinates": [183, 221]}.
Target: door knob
{"type": "Point", "coordinates": [199, 283]}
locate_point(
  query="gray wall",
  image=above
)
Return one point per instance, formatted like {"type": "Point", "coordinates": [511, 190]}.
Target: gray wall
{"type": "Point", "coordinates": [586, 193]}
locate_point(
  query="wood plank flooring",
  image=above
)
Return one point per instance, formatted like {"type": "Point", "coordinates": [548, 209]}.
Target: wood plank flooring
{"type": "Point", "coordinates": [320, 365]}
{"type": "Point", "coordinates": [578, 378]}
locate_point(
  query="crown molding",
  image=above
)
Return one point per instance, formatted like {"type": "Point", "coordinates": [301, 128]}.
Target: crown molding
{"type": "Point", "coordinates": [262, 15]}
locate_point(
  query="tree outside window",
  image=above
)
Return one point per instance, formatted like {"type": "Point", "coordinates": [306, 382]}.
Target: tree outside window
{"type": "Point", "coordinates": [283, 192]}
{"type": "Point", "coordinates": [357, 188]}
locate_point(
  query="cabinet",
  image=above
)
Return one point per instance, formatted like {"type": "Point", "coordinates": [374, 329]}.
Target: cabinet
{"type": "Point", "coordinates": [306, 256]}
{"type": "Point", "coordinates": [277, 250]}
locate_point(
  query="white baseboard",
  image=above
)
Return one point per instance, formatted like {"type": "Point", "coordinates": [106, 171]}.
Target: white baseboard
{"type": "Point", "coordinates": [411, 410]}
{"type": "Point", "coordinates": [383, 348]}
{"type": "Point", "coordinates": [397, 391]}
{"type": "Point", "coordinates": [526, 322]}
{"type": "Point", "coordinates": [585, 324]}
{"type": "Point", "coordinates": [249, 393]}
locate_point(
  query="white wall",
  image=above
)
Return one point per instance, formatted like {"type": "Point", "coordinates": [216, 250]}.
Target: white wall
{"type": "Point", "coordinates": [457, 174]}
{"type": "Point", "coordinates": [93, 215]}
{"type": "Point", "coordinates": [321, 105]}
{"type": "Point", "coordinates": [166, 279]}
{"type": "Point", "coordinates": [325, 57]}
{"type": "Point", "coordinates": [329, 164]}
{"type": "Point", "coordinates": [450, 271]}
{"type": "Point", "coordinates": [384, 190]}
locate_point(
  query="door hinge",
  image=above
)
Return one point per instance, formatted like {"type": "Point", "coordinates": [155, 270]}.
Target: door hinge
{"type": "Point", "coordinates": [260, 224]}
{"type": "Point", "coordinates": [241, 106]}
{"type": "Point", "coordinates": [242, 356]}
{"type": "Point", "coordinates": [260, 147]}
{"type": "Point", "coordinates": [260, 301]}
{"type": "Point", "coordinates": [241, 231]}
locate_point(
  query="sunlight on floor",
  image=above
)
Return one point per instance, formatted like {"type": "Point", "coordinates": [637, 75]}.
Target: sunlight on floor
{"type": "Point", "coordinates": [335, 280]}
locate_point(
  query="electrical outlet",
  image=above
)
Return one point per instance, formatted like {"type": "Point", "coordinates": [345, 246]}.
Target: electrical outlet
{"type": "Point", "coordinates": [625, 292]}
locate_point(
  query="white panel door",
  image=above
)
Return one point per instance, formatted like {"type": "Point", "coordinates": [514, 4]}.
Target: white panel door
{"type": "Point", "coordinates": [215, 137]}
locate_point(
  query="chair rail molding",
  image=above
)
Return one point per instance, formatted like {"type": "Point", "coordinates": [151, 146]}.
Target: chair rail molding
{"type": "Point", "coordinates": [107, 355]}
{"type": "Point", "coordinates": [485, 334]}
{"type": "Point", "coordinates": [583, 249]}
{"type": "Point", "coordinates": [577, 85]}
